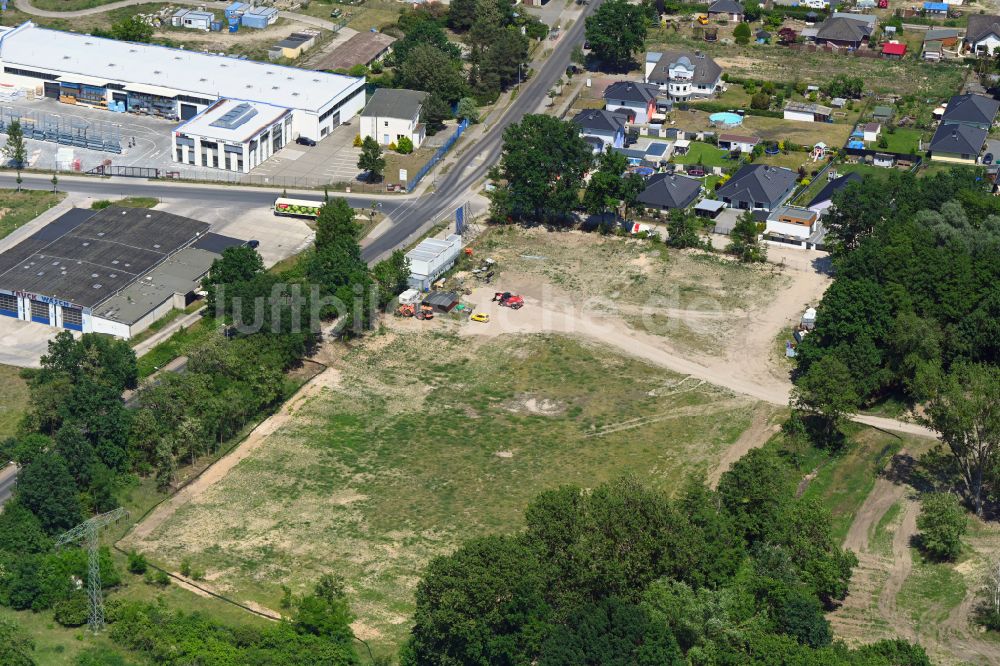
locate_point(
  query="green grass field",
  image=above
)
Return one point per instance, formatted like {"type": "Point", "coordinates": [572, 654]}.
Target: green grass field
{"type": "Point", "coordinates": [14, 398]}
{"type": "Point", "coordinates": [903, 141]}
{"type": "Point", "coordinates": [705, 154]}
{"type": "Point", "coordinates": [19, 208]}
{"type": "Point", "coordinates": [417, 451]}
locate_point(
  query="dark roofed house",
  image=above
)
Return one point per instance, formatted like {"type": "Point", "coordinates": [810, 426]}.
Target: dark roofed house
{"type": "Point", "coordinates": [608, 126]}
{"type": "Point", "coordinates": [982, 36]}
{"type": "Point", "coordinates": [729, 10]}
{"type": "Point", "coordinates": [975, 110]}
{"type": "Point", "coordinates": [822, 201]}
{"type": "Point", "coordinates": [757, 187]}
{"type": "Point", "coordinates": [683, 75]}
{"type": "Point", "coordinates": [844, 32]}
{"type": "Point", "coordinates": [394, 113]}
{"type": "Point", "coordinates": [947, 36]}
{"type": "Point", "coordinates": [638, 98]}
{"type": "Point", "coordinates": [957, 143]}
{"type": "Point", "coordinates": [665, 191]}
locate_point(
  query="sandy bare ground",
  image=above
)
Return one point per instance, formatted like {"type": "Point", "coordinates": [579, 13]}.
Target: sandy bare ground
{"type": "Point", "coordinates": [747, 366]}
{"type": "Point", "coordinates": [326, 380]}
{"type": "Point", "coordinates": [870, 610]}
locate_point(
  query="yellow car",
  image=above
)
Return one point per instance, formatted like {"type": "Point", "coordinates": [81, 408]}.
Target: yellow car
{"type": "Point", "coordinates": [481, 317]}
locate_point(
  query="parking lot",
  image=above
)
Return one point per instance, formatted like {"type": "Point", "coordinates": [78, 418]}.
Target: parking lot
{"type": "Point", "coordinates": [332, 160]}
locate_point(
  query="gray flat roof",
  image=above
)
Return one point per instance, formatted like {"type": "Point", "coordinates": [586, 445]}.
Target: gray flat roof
{"type": "Point", "coordinates": [86, 261]}
{"type": "Point", "coordinates": [180, 274]}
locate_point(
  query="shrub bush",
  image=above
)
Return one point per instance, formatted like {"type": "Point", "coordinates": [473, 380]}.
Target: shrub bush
{"type": "Point", "coordinates": [74, 611]}
{"type": "Point", "coordinates": [137, 563]}
{"type": "Point", "coordinates": [404, 146]}
{"type": "Point", "coordinates": [942, 524]}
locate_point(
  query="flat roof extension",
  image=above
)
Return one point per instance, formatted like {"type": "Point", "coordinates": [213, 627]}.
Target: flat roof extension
{"type": "Point", "coordinates": [231, 120]}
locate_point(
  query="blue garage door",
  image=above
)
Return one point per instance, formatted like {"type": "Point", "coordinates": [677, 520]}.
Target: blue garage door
{"type": "Point", "coordinates": [8, 305]}
{"type": "Point", "coordinates": [72, 318]}
{"type": "Point", "coordinates": [39, 312]}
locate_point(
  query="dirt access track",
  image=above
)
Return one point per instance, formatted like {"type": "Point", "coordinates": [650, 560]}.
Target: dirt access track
{"type": "Point", "coordinates": [746, 365]}
{"type": "Point", "coordinates": [872, 609]}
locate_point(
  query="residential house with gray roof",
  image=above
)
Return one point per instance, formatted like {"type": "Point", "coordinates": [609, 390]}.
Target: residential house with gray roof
{"type": "Point", "coordinates": [846, 30]}
{"type": "Point", "coordinates": [683, 75]}
{"type": "Point", "coordinates": [757, 187]}
{"type": "Point", "coordinates": [727, 10]}
{"type": "Point", "coordinates": [957, 143]}
{"type": "Point", "coordinates": [635, 98]}
{"type": "Point", "coordinates": [607, 126]}
{"type": "Point", "coordinates": [975, 110]}
{"type": "Point", "coordinates": [666, 191]}
{"type": "Point", "coordinates": [982, 35]}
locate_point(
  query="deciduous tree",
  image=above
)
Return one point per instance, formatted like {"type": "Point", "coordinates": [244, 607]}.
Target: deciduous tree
{"type": "Point", "coordinates": [15, 149]}
{"type": "Point", "coordinates": [744, 241]}
{"type": "Point", "coordinates": [965, 410]}
{"type": "Point", "coordinates": [543, 163]}
{"type": "Point", "coordinates": [827, 391]}
{"type": "Point", "coordinates": [616, 31]}
{"type": "Point", "coordinates": [371, 161]}
{"type": "Point", "coordinates": [942, 523]}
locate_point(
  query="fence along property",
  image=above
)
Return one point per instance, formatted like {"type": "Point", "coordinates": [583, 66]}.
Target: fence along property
{"type": "Point", "coordinates": [441, 152]}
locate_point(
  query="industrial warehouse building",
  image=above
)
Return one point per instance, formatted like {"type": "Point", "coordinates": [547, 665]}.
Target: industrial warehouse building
{"type": "Point", "coordinates": [231, 135]}
{"type": "Point", "coordinates": [114, 271]}
{"type": "Point", "coordinates": [177, 84]}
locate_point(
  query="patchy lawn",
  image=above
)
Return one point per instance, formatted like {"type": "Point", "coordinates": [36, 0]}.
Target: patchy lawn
{"type": "Point", "coordinates": [19, 208]}
{"type": "Point", "coordinates": [14, 398]}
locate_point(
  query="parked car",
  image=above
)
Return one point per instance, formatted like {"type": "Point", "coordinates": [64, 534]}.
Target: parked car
{"type": "Point", "coordinates": [305, 141]}
{"type": "Point", "coordinates": [336, 13]}
{"type": "Point", "coordinates": [481, 317]}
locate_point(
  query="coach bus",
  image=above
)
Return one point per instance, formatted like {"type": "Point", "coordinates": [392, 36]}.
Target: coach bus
{"type": "Point", "coordinates": [297, 207]}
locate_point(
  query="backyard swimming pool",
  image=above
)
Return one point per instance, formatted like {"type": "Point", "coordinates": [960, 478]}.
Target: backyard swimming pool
{"type": "Point", "coordinates": [726, 118]}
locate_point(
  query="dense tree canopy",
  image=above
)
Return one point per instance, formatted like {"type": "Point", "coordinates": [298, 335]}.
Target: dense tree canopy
{"type": "Point", "coordinates": [543, 163]}
{"type": "Point", "coordinates": [624, 575]}
{"type": "Point", "coordinates": [916, 288]}
{"type": "Point", "coordinates": [616, 32]}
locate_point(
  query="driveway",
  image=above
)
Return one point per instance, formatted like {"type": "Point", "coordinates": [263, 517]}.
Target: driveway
{"type": "Point", "coordinates": [332, 160]}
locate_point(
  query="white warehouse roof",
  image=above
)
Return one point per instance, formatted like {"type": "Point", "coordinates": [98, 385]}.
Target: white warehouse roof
{"type": "Point", "coordinates": [231, 120]}
{"type": "Point", "coordinates": [204, 74]}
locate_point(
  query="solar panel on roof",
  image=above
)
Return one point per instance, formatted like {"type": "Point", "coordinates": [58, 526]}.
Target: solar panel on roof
{"type": "Point", "coordinates": [235, 116]}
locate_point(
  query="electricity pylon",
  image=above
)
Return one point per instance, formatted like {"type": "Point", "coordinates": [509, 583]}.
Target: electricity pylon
{"type": "Point", "coordinates": [88, 533]}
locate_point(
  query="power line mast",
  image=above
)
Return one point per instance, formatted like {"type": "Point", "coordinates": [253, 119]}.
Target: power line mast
{"type": "Point", "coordinates": [88, 532]}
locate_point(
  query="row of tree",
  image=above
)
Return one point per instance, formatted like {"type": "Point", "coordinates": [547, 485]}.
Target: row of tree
{"type": "Point", "coordinates": [623, 575]}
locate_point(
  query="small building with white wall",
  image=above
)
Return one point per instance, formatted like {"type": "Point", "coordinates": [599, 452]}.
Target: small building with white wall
{"type": "Point", "coordinates": [431, 258]}
{"type": "Point", "coordinates": [392, 114]}
{"type": "Point", "coordinates": [232, 135]}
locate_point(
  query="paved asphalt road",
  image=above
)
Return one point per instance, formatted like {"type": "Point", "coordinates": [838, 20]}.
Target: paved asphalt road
{"type": "Point", "coordinates": [410, 216]}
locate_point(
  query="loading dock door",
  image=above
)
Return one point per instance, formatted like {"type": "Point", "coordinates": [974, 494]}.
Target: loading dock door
{"type": "Point", "coordinates": [52, 90]}
{"type": "Point", "coordinates": [120, 97]}
{"type": "Point", "coordinates": [188, 111]}
{"type": "Point", "coordinates": [8, 305]}
{"type": "Point", "coordinates": [72, 318]}
{"type": "Point", "coordinates": [39, 312]}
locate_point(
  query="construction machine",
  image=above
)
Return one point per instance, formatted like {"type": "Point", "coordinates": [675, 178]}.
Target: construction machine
{"type": "Point", "coordinates": [509, 300]}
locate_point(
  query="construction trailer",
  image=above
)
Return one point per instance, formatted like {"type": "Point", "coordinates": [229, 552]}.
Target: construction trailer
{"type": "Point", "coordinates": [191, 18]}
{"type": "Point", "coordinates": [259, 17]}
{"type": "Point", "coordinates": [431, 259]}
